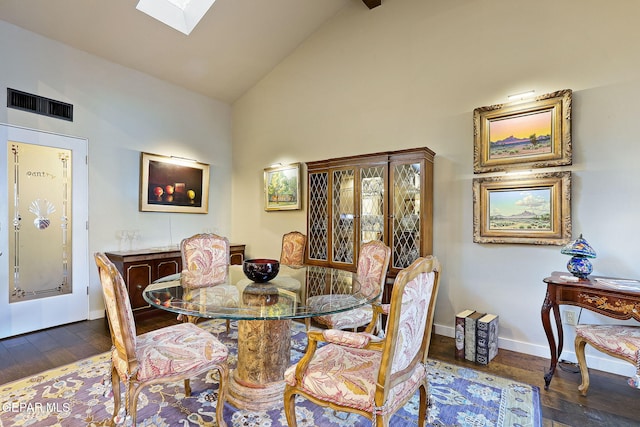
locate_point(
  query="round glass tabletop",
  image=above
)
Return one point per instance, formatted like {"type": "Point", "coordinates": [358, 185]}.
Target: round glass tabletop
{"type": "Point", "coordinates": [308, 291]}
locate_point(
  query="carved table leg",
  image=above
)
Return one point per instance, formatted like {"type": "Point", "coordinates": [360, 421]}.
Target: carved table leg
{"type": "Point", "coordinates": [546, 323]}
{"type": "Point", "coordinates": [264, 348]}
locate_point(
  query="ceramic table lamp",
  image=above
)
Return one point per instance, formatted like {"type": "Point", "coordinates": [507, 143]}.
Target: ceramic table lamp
{"type": "Point", "coordinates": [580, 251]}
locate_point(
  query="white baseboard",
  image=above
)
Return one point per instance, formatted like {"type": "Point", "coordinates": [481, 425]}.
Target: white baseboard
{"type": "Point", "coordinates": [96, 314]}
{"type": "Point", "coordinates": [596, 360]}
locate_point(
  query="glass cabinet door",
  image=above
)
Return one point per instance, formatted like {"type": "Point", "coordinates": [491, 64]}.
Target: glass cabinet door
{"type": "Point", "coordinates": [318, 217]}
{"type": "Point", "coordinates": [372, 204]}
{"type": "Point", "coordinates": [342, 217]}
{"type": "Point", "coordinates": [405, 224]}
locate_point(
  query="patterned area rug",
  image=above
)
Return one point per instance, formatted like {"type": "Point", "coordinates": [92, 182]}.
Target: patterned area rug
{"type": "Point", "coordinates": [74, 395]}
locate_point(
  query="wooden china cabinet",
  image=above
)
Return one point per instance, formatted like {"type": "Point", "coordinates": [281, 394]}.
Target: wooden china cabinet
{"type": "Point", "coordinates": [386, 196]}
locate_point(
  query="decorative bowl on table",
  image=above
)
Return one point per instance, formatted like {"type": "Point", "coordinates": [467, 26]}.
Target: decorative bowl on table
{"type": "Point", "coordinates": [261, 270]}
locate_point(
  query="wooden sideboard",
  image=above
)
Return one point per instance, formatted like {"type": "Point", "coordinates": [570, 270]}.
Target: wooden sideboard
{"type": "Point", "coordinates": [140, 268]}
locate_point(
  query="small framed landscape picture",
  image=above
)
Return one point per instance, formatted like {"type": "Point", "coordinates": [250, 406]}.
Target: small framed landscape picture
{"type": "Point", "coordinates": [534, 210]}
{"type": "Point", "coordinates": [172, 184]}
{"type": "Point", "coordinates": [282, 188]}
{"type": "Point", "coordinates": [527, 134]}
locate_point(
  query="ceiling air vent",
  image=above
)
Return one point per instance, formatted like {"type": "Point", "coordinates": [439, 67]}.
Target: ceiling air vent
{"type": "Point", "coordinates": [39, 105]}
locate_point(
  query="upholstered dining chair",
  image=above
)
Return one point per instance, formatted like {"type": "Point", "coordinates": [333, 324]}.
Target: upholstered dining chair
{"type": "Point", "coordinates": [205, 260]}
{"type": "Point", "coordinates": [294, 244]}
{"type": "Point", "coordinates": [373, 263]}
{"type": "Point", "coordinates": [619, 341]}
{"type": "Point", "coordinates": [205, 264]}
{"type": "Point", "coordinates": [364, 374]}
{"type": "Point", "coordinates": [169, 354]}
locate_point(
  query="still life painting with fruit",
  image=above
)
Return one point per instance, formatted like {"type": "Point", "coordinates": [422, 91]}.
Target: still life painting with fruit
{"type": "Point", "coordinates": [174, 184]}
{"type": "Point", "coordinates": [169, 182]}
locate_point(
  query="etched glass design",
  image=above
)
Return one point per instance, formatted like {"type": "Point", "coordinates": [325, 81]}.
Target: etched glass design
{"type": "Point", "coordinates": [342, 219]}
{"type": "Point", "coordinates": [318, 216]}
{"type": "Point", "coordinates": [406, 219]}
{"type": "Point", "coordinates": [321, 281]}
{"type": "Point", "coordinates": [371, 204]}
{"type": "Point", "coordinates": [315, 281]}
{"type": "Point", "coordinates": [40, 210]}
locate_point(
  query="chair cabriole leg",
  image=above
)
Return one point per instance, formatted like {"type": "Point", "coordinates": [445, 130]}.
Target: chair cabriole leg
{"type": "Point", "coordinates": [580, 344]}
{"type": "Point", "coordinates": [290, 407]}
{"type": "Point", "coordinates": [115, 389]}
{"type": "Point", "coordinates": [223, 372]}
{"type": "Point", "coordinates": [424, 406]}
{"type": "Point", "coordinates": [132, 404]}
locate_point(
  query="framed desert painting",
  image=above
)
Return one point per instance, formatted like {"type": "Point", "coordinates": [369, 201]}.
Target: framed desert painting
{"type": "Point", "coordinates": [535, 209]}
{"type": "Point", "coordinates": [282, 187]}
{"type": "Point", "coordinates": [530, 134]}
{"type": "Point", "coordinates": [173, 184]}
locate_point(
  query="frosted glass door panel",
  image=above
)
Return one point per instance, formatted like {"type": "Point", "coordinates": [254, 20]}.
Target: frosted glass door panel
{"type": "Point", "coordinates": [40, 210]}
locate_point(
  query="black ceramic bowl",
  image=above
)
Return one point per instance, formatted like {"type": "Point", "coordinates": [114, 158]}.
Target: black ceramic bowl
{"type": "Point", "coordinates": [261, 270]}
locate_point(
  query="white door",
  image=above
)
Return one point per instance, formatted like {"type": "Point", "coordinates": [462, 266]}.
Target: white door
{"type": "Point", "coordinates": [44, 250]}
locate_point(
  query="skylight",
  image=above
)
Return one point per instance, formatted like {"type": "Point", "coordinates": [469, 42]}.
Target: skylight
{"type": "Point", "coordinates": [182, 4]}
{"type": "Point", "coordinates": [182, 15]}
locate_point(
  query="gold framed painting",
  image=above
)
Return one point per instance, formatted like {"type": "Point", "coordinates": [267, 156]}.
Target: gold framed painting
{"type": "Point", "coordinates": [531, 134]}
{"type": "Point", "coordinates": [173, 184]}
{"type": "Point", "coordinates": [282, 188]}
{"type": "Point", "coordinates": [534, 210]}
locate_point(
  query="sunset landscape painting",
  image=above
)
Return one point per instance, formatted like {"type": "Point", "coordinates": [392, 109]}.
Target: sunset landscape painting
{"type": "Point", "coordinates": [531, 134]}
{"type": "Point", "coordinates": [522, 135]}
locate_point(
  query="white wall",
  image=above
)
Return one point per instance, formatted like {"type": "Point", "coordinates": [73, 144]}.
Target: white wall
{"type": "Point", "coordinates": [409, 73]}
{"type": "Point", "coordinates": [121, 112]}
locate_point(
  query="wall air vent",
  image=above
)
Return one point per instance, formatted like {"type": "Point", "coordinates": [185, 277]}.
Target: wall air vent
{"type": "Point", "coordinates": [39, 105]}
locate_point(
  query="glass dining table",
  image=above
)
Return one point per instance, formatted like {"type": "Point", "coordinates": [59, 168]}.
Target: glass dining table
{"type": "Point", "coordinates": [264, 312]}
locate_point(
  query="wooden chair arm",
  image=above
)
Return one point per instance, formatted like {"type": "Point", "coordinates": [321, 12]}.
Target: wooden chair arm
{"type": "Point", "coordinates": [376, 319]}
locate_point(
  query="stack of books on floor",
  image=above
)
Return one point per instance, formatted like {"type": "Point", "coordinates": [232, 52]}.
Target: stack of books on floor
{"type": "Point", "coordinates": [476, 336]}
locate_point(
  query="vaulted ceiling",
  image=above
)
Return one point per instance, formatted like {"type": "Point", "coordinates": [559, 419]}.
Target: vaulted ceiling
{"type": "Point", "coordinates": [236, 43]}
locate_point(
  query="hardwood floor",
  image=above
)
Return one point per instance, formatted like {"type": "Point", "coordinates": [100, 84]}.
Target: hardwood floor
{"type": "Point", "coordinates": [610, 401]}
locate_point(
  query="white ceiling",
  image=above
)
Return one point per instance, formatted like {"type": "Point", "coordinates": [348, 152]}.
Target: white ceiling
{"type": "Point", "coordinates": [236, 43]}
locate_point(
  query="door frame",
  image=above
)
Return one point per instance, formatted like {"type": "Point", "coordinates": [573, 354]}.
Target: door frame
{"type": "Point", "coordinates": [27, 316]}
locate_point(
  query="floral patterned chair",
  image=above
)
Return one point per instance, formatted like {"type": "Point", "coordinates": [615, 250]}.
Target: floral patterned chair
{"type": "Point", "coordinates": [205, 264]}
{"type": "Point", "coordinates": [205, 260]}
{"type": "Point", "coordinates": [165, 355]}
{"type": "Point", "coordinates": [293, 247]}
{"type": "Point", "coordinates": [365, 374]}
{"type": "Point", "coordinates": [373, 263]}
{"type": "Point", "coordinates": [620, 341]}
